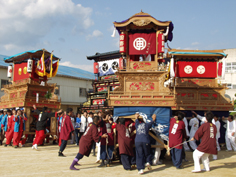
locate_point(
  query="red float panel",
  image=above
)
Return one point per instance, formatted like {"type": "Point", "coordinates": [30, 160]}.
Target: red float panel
{"type": "Point", "coordinates": [20, 72]}
{"type": "Point", "coordinates": [142, 43]}
{"type": "Point", "coordinates": [196, 69]}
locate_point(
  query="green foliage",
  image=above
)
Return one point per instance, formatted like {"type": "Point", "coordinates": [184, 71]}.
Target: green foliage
{"type": "Point", "coordinates": [48, 95]}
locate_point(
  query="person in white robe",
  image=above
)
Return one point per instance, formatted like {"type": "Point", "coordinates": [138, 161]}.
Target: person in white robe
{"type": "Point", "coordinates": [230, 134]}
{"type": "Point", "coordinates": [201, 118]}
{"type": "Point", "coordinates": [194, 127]}
{"type": "Point", "coordinates": [186, 147]}
{"type": "Point", "coordinates": [216, 122]}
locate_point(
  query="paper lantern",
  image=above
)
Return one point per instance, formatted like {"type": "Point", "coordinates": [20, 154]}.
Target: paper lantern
{"type": "Point", "coordinates": [122, 43]}
{"type": "Point", "coordinates": [29, 66]}
{"type": "Point", "coordinates": [9, 71]}
{"type": "Point", "coordinates": [95, 67]}
{"type": "Point", "coordinates": [161, 43]}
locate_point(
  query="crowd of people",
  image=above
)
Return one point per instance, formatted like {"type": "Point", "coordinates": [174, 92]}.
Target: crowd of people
{"type": "Point", "coordinates": [199, 134]}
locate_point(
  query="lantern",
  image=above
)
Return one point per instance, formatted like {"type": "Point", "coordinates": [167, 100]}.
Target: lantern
{"type": "Point", "coordinates": [122, 43]}
{"type": "Point", "coordinates": [9, 71]}
{"type": "Point", "coordinates": [95, 68]}
{"type": "Point", "coordinates": [121, 63]}
{"type": "Point", "coordinates": [29, 66]}
{"type": "Point", "coordinates": [161, 43]}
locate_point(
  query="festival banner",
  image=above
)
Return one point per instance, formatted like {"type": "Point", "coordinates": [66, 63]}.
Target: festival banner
{"type": "Point", "coordinates": [108, 67]}
{"type": "Point", "coordinates": [196, 69]}
{"type": "Point", "coordinates": [160, 126]}
{"type": "Point", "coordinates": [50, 68]}
{"type": "Point", "coordinates": [40, 69]}
{"type": "Point", "coordinates": [142, 43]}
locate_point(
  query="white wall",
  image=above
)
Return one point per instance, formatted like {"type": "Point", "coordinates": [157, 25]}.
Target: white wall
{"type": "Point", "coordinates": [3, 75]}
{"type": "Point", "coordinates": [230, 76]}
{"type": "Point", "coordinates": [69, 89]}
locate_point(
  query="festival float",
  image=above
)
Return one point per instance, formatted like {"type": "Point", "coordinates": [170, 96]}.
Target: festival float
{"type": "Point", "coordinates": [105, 67]}
{"type": "Point", "coordinates": [156, 79]}
{"type": "Point", "coordinates": [28, 74]}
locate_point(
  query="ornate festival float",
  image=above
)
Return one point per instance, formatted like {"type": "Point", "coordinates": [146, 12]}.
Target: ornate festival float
{"type": "Point", "coordinates": [28, 75]}
{"type": "Point", "coordinates": [105, 67]}
{"type": "Point", "coordinates": [158, 80]}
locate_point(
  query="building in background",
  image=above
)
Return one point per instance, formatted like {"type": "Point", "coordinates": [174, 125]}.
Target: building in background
{"type": "Point", "coordinates": [73, 84]}
{"type": "Point", "coordinates": [230, 73]}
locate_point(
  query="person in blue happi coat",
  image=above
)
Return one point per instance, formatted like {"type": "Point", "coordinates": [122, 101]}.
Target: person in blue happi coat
{"type": "Point", "coordinates": [142, 143]}
{"type": "Point", "coordinates": [1, 117]}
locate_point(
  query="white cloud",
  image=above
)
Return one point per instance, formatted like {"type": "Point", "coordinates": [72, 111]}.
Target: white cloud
{"type": "Point", "coordinates": [195, 43]}
{"type": "Point", "coordinates": [95, 34]}
{"type": "Point", "coordinates": [84, 67]}
{"type": "Point", "coordinates": [10, 46]}
{"type": "Point", "coordinates": [25, 22]}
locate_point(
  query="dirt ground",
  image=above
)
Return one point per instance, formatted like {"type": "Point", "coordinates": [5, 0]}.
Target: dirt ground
{"type": "Point", "coordinates": [45, 162]}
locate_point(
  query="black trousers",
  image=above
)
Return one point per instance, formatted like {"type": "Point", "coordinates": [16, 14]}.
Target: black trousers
{"type": "Point", "coordinates": [77, 136]}
{"type": "Point", "coordinates": [63, 145]}
{"type": "Point", "coordinates": [143, 154]}
{"type": "Point", "coordinates": [126, 161]}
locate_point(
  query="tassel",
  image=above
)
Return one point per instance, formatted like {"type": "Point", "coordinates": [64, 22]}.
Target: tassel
{"type": "Point", "coordinates": [114, 32]}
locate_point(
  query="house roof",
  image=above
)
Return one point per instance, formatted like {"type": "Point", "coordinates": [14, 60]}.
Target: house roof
{"type": "Point", "coordinates": [63, 71]}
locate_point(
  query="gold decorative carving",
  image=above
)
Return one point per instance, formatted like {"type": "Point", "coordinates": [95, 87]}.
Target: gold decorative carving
{"type": "Point", "coordinates": [143, 22]}
{"type": "Point", "coordinates": [141, 86]}
{"type": "Point", "coordinates": [121, 81]}
{"type": "Point", "coordinates": [141, 65]}
{"type": "Point", "coordinates": [141, 77]}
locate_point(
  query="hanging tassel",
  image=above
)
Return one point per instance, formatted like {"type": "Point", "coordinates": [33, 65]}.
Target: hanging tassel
{"type": "Point", "coordinates": [114, 32]}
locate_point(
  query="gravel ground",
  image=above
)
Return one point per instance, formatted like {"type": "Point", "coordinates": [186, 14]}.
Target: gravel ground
{"type": "Point", "coordinates": [45, 162]}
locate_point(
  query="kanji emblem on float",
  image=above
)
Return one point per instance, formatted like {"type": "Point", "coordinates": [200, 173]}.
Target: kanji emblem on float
{"type": "Point", "coordinates": [201, 69]}
{"type": "Point", "coordinates": [139, 43]}
{"type": "Point", "coordinates": [188, 69]}
{"type": "Point", "coordinates": [142, 43]}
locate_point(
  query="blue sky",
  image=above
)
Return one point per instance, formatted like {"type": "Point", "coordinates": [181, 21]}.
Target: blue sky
{"type": "Point", "coordinates": [75, 29]}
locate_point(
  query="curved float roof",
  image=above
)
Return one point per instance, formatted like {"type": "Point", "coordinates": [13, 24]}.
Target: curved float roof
{"type": "Point", "coordinates": [143, 16]}
{"type": "Point", "coordinates": [142, 19]}
{"type": "Point", "coordinates": [197, 53]}
{"type": "Point", "coordinates": [29, 54]}
{"type": "Point", "coordinates": [105, 56]}
{"type": "Point", "coordinates": [63, 71]}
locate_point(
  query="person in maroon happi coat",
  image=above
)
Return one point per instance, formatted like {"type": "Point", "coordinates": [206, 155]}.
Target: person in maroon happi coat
{"type": "Point", "coordinates": [125, 144]}
{"type": "Point", "coordinates": [89, 137]}
{"type": "Point", "coordinates": [177, 135]}
{"type": "Point", "coordinates": [107, 145]}
{"type": "Point", "coordinates": [207, 134]}
{"type": "Point", "coordinates": [66, 129]}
